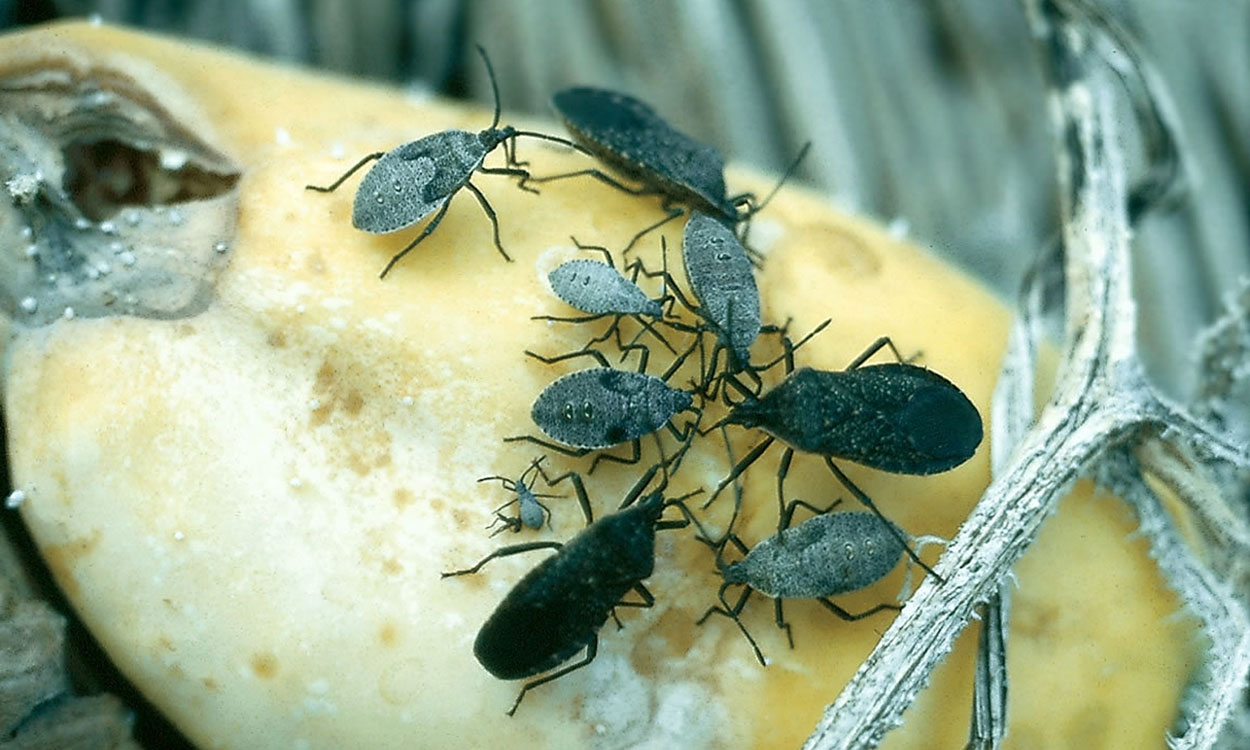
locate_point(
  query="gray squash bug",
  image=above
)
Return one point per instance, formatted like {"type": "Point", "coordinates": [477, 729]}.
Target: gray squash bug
{"type": "Point", "coordinates": [604, 407]}
{"type": "Point", "coordinates": [557, 608]}
{"type": "Point", "coordinates": [601, 290]}
{"type": "Point", "coordinates": [421, 177]}
{"type": "Point", "coordinates": [628, 136]}
{"type": "Point", "coordinates": [531, 513]}
{"type": "Point", "coordinates": [895, 417]}
{"type": "Point", "coordinates": [827, 555]}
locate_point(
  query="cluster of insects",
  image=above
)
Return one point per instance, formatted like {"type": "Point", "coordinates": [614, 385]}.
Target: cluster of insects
{"type": "Point", "coordinates": [896, 417]}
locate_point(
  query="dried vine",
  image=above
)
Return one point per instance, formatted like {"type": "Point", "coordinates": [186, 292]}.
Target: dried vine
{"type": "Point", "coordinates": [1102, 409]}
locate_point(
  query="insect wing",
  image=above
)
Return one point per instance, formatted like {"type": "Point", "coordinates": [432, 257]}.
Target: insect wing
{"type": "Point", "coordinates": [597, 288]}
{"type": "Point", "coordinates": [723, 280]}
{"type": "Point", "coordinates": [414, 180]}
{"type": "Point", "coordinates": [629, 135]}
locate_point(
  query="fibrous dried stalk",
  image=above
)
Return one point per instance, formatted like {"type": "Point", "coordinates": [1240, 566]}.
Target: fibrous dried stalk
{"type": "Point", "coordinates": [1102, 406]}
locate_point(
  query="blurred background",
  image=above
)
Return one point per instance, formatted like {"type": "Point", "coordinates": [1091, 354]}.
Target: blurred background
{"type": "Point", "coordinates": [930, 117]}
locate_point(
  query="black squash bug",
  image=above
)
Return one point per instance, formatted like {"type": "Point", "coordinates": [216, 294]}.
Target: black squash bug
{"type": "Point", "coordinates": [628, 136]}
{"type": "Point", "coordinates": [556, 610]}
{"type": "Point", "coordinates": [896, 417]}
{"type": "Point", "coordinates": [601, 290]}
{"type": "Point", "coordinates": [827, 555]}
{"type": "Point", "coordinates": [604, 407]}
{"type": "Point", "coordinates": [531, 513]}
{"type": "Point", "coordinates": [421, 177]}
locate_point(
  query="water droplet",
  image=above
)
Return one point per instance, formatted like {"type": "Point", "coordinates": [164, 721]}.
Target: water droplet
{"type": "Point", "coordinates": [221, 247]}
{"type": "Point", "coordinates": [68, 314]}
{"type": "Point", "coordinates": [29, 304]}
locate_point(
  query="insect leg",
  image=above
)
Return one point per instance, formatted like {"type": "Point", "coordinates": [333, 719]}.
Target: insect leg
{"type": "Point", "coordinates": [634, 457]}
{"type": "Point", "coordinates": [734, 613]}
{"type": "Point", "coordinates": [490, 214]}
{"type": "Point", "coordinates": [332, 186]}
{"type": "Point", "coordinates": [872, 349]}
{"type": "Point", "coordinates": [783, 469]}
{"type": "Point", "coordinates": [794, 505]}
{"type": "Point", "coordinates": [648, 600]}
{"type": "Point", "coordinates": [512, 549]}
{"type": "Point", "coordinates": [597, 355]}
{"type": "Point", "coordinates": [863, 498]}
{"type": "Point", "coordinates": [592, 648]}
{"type": "Point", "coordinates": [513, 524]}
{"type": "Point", "coordinates": [438, 217]}
{"type": "Point", "coordinates": [790, 349]}
{"type": "Point", "coordinates": [573, 452]}
{"type": "Point", "coordinates": [514, 172]}
{"type": "Point", "coordinates": [580, 490]}
{"type": "Point", "coordinates": [738, 468]}
{"type": "Point", "coordinates": [582, 319]}
{"type": "Point", "coordinates": [851, 617]}
{"type": "Point", "coordinates": [598, 175]}
{"type": "Point", "coordinates": [673, 213]}
{"type": "Point", "coordinates": [781, 622]}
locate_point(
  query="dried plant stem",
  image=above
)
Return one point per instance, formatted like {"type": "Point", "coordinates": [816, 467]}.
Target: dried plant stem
{"type": "Point", "coordinates": [1102, 400]}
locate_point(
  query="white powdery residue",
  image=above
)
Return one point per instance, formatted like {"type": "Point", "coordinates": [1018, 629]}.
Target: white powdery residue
{"type": "Point", "coordinates": [24, 187]}
{"type": "Point", "coordinates": [15, 499]}
{"type": "Point", "coordinates": [337, 151]}
{"type": "Point", "coordinates": [175, 217]}
{"type": "Point", "coordinates": [93, 273]}
{"type": "Point", "coordinates": [82, 223]}
{"type": "Point", "coordinates": [126, 258]}
{"type": "Point", "coordinates": [765, 234]}
{"type": "Point", "coordinates": [27, 233]}
{"type": "Point", "coordinates": [32, 250]}
{"type": "Point", "coordinates": [314, 404]}
{"type": "Point", "coordinates": [179, 536]}
{"type": "Point", "coordinates": [173, 159]}
{"type": "Point", "coordinates": [103, 268]}
{"type": "Point", "coordinates": [221, 247]}
{"type": "Point", "coordinates": [316, 706]}
{"type": "Point", "coordinates": [108, 227]}
{"type": "Point", "coordinates": [407, 401]}
{"type": "Point", "coordinates": [301, 309]}
{"type": "Point", "coordinates": [296, 483]}
{"type": "Point", "coordinates": [899, 227]}
{"type": "Point", "coordinates": [29, 304]}
{"type": "Point", "coordinates": [282, 136]}
{"type": "Point", "coordinates": [68, 314]}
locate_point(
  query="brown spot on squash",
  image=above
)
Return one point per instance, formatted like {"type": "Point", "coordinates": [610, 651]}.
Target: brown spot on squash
{"type": "Point", "coordinates": [404, 498]}
{"type": "Point", "coordinates": [388, 634]}
{"type": "Point", "coordinates": [264, 665]}
{"type": "Point", "coordinates": [62, 559]}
